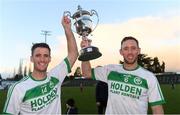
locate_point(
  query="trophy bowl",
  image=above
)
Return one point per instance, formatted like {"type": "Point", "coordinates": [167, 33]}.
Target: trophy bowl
{"type": "Point", "coordinates": [84, 25]}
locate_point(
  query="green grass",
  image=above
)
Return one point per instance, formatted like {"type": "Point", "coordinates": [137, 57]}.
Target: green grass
{"type": "Point", "coordinates": [171, 96]}
{"type": "Point", "coordinates": [85, 101]}
{"type": "Point", "coordinates": [2, 99]}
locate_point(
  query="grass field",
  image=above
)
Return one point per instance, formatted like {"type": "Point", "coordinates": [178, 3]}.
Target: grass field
{"type": "Point", "coordinates": [171, 96]}
{"type": "Point", "coordinates": [85, 101]}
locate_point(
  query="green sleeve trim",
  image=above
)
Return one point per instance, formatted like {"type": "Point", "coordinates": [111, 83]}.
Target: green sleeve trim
{"type": "Point", "coordinates": [93, 74]}
{"type": "Point", "coordinates": [30, 75]}
{"type": "Point", "coordinates": [159, 89]}
{"type": "Point", "coordinates": [10, 90]}
{"type": "Point", "coordinates": [68, 64]}
{"type": "Point", "coordinates": [157, 103]}
{"type": "Point", "coordinates": [7, 113]}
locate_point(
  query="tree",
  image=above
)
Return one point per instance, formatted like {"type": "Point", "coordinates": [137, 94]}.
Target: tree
{"type": "Point", "coordinates": [149, 63]}
{"type": "Point", "coordinates": [77, 72]}
{"type": "Point", "coordinates": [0, 79]}
{"type": "Point", "coordinates": [17, 77]}
{"type": "Point", "coordinates": [145, 61]}
{"type": "Point", "coordinates": [163, 67]}
{"type": "Point", "coordinates": [20, 67]}
{"type": "Point", "coordinates": [156, 65]}
{"type": "Point", "coordinates": [25, 71]}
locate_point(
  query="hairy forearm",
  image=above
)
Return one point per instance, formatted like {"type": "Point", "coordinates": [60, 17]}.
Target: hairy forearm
{"type": "Point", "coordinates": [86, 69]}
{"type": "Point", "coordinates": [157, 110]}
{"type": "Point", "coordinates": [71, 46]}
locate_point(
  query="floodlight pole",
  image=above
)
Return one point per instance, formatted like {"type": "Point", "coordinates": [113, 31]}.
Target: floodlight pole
{"type": "Point", "coordinates": [45, 33]}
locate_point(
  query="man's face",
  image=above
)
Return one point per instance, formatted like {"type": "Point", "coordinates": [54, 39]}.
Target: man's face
{"type": "Point", "coordinates": [130, 51]}
{"type": "Point", "coordinates": [41, 58]}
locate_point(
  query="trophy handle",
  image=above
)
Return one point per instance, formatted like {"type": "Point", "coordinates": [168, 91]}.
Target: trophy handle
{"type": "Point", "coordinates": [93, 12]}
{"type": "Point", "coordinates": [67, 13]}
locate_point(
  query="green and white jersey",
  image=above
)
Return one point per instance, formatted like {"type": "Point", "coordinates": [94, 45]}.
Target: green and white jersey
{"type": "Point", "coordinates": [30, 96]}
{"type": "Point", "coordinates": [129, 91]}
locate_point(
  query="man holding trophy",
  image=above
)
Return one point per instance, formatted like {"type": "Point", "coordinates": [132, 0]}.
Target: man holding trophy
{"type": "Point", "coordinates": [40, 92]}
{"type": "Point", "coordinates": [130, 87]}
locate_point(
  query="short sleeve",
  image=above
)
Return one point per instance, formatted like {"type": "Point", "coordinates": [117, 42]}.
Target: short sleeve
{"type": "Point", "coordinates": [155, 93]}
{"type": "Point", "coordinates": [13, 101]}
{"type": "Point", "coordinates": [101, 73]}
{"type": "Point", "coordinates": [61, 70]}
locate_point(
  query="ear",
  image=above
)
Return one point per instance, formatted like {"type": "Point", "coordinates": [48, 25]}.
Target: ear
{"type": "Point", "coordinates": [120, 51]}
{"type": "Point", "coordinates": [50, 59]}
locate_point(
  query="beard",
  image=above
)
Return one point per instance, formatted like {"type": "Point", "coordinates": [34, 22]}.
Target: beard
{"type": "Point", "coordinates": [130, 62]}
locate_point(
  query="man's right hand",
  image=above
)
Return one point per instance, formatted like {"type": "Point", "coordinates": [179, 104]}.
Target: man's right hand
{"type": "Point", "coordinates": [98, 103]}
{"type": "Point", "coordinates": [85, 42]}
{"type": "Point", "coordinates": [66, 22]}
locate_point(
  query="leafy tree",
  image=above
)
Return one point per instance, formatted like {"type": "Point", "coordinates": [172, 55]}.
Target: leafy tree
{"type": "Point", "coordinates": [163, 67]}
{"type": "Point", "coordinates": [0, 76]}
{"type": "Point", "coordinates": [25, 71]}
{"type": "Point", "coordinates": [0, 79]}
{"type": "Point", "coordinates": [77, 72]}
{"type": "Point", "coordinates": [18, 77]}
{"type": "Point", "coordinates": [145, 61]}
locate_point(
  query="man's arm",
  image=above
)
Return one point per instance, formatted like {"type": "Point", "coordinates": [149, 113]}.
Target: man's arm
{"type": "Point", "coordinates": [85, 65]}
{"type": "Point", "coordinates": [86, 69]}
{"type": "Point", "coordinates": [158, 109]}
{"type": "Point", "coordinates": [71, 42]}
{"type": "Point", "coordinates": [13, 101]}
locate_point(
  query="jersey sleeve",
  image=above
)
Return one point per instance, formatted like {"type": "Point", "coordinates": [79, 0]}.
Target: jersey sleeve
{"type": "Point", "coordinates": [13, 101]}
{"type": "Point", "coordinates": [61, 70]}
{"type": "Point", "coordinates": [155, 93]}
{"type": "Point", "coordinates": [101, 73]}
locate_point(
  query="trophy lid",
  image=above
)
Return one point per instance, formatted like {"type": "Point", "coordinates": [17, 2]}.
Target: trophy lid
{"type": "Point", "coordinates": [80, 12]}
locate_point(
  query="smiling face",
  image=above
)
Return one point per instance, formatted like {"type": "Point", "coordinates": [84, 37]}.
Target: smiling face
{"type": "Point", "coordinates": [130, 51]}
{"type": "Point", "coordinates": [41, 58]}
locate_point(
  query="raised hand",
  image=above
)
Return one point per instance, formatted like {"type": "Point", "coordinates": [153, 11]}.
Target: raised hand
{"type": "Point", "coordinates": [66, 22]}
{"type": "Point", "coordinates": [85, 42]}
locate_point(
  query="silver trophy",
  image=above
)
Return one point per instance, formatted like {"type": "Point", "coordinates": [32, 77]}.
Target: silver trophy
{"type": "Point", "coordinates": [83, 25]}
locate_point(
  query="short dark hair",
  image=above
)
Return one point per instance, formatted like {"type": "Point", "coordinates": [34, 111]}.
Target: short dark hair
{"type": "Point", "coordinates": [129, 38]}
{"type": "Point", "coordinates": [70, 102]}
{"type": "Point", "coordinates": [43, 45]}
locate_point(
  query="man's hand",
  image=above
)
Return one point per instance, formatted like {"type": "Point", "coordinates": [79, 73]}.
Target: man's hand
{"type": "Point", "coordinates": [85, 42]}
{"type": "Point", "coordinates": [66, 22]}
{"type": "Point", "coordinates": [158, 109]}
{"type": "Point", "coordinates": [71, 42]}
{"type": "Point", "coordinates": [98, 103]}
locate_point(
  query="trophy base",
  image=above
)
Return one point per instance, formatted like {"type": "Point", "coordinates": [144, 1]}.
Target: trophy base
{"type": "Point", "coordinates": [89, 53]}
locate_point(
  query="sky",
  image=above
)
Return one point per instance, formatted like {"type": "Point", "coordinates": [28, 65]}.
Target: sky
{"type": "Point", "coordinates": [155, 23]}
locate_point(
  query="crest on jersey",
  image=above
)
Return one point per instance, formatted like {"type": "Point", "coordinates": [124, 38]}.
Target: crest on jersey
{"type": "Point", "coordinates": [137, 80]}
{"type": "Point", "coordinates": [126, 78]}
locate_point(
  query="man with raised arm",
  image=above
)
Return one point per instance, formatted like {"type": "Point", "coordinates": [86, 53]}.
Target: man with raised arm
{"type": "Point", "coordinates": [130, 87]}
{"type": "Point", "coordinates": [40, 92]}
